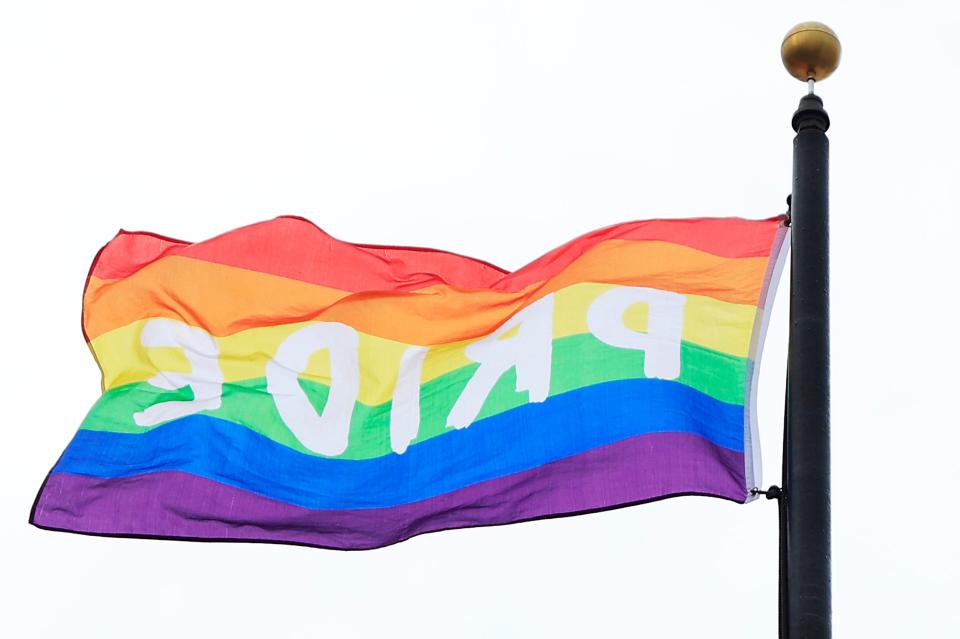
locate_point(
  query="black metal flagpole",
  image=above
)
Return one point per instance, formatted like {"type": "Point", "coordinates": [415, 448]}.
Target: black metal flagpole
{"type": "Point", "coordinates": [811, 52]}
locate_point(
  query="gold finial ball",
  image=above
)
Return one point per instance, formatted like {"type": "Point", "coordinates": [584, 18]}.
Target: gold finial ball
{"type": "Point", "coordinates": [810, 51]}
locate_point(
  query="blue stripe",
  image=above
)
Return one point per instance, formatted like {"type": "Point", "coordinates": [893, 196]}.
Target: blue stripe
{"type": "Point", "coordinates": [520, 439]}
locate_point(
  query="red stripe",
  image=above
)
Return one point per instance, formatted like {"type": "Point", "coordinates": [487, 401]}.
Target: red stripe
{"type": "Point", "coordinates": [294, 247]}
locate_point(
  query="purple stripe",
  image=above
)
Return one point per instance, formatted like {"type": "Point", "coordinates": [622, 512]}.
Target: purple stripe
{"type": "Point", "coordinates": [180, 505]}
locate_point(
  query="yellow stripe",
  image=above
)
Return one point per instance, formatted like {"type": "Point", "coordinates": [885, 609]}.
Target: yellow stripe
{"type": "Point", "coordinates": [720, 326]}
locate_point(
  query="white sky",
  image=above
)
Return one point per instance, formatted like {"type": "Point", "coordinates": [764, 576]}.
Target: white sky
{"type": "Point", "coordinates": [498, 130]}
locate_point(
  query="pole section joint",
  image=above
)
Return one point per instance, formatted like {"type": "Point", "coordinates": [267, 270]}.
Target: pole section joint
{"type": "Point", "coordinates": [810, 115]}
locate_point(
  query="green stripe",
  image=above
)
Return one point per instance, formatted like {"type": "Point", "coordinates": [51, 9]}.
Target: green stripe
{"type": "Point", "coordinates": [578, 361]}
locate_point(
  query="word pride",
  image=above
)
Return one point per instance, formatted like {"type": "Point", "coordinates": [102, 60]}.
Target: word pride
{"type": "Point", "coordinates": [523, 344]}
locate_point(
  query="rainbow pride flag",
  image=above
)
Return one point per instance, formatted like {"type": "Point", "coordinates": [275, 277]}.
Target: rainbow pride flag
{"type": "Point", "coordinates": [277, 384]}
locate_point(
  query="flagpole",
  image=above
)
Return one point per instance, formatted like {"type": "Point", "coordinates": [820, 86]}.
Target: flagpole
{"type": "Point", "coordinates": [811, 52]}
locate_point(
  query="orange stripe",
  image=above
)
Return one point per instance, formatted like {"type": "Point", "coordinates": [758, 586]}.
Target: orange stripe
{"type": "Point", "coordinates": [224, 300]}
